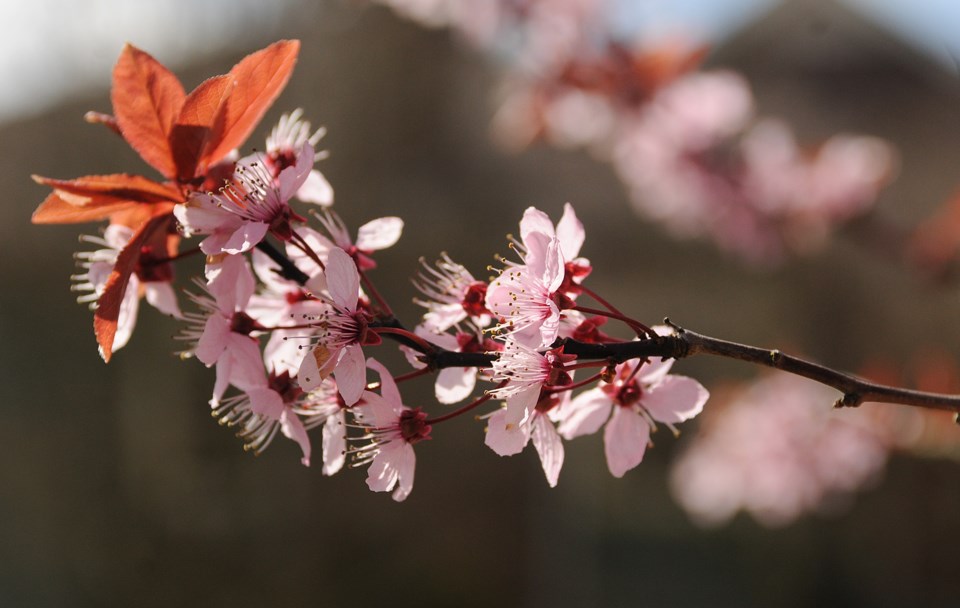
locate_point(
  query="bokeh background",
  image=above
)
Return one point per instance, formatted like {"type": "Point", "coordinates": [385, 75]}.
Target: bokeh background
{"type": "Point", "coordinates": [118, 489]}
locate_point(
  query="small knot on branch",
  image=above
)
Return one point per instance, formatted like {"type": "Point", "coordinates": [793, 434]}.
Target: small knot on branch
{"type": "Point", "coordinates": [849, 400]}
{"type": "Point", "coordinates": [676, 328]}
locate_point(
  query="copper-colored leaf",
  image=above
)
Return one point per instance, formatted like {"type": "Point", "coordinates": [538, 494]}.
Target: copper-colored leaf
{"type": "Point", "coordinates": [259, 79]}
{"type": "Point", "coordinates": [147, 99]}
{"type": "Point", "coordinates": [200, 122]}
{"type": "Point", "coordinates": [108, 306]}
{"type": "Point", "coordinates": [118, 185]}
{"type": "Point", "coordinates": [134, 216]}
{"type": "Point", "coordinates": [55, 210]}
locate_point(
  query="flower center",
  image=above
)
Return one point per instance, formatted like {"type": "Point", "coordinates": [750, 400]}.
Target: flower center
{"type": "Point", "coordinates": [473, 300]}
{"type": "Point", "coordinates": [413, 426]}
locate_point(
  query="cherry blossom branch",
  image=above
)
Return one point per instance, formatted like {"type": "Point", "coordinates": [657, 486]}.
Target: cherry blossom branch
{"type": "Point", "coordinates": [855, 390]}
{"type": "Point", "coordinates": [683, 343]}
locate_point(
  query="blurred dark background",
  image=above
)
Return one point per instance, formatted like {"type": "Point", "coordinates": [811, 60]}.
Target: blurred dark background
{"type": "Point", "coordinates": [118, 489]}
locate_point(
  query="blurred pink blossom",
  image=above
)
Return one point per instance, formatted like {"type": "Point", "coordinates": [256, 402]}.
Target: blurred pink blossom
{"type": "Point", "coordinates": [778, 450]}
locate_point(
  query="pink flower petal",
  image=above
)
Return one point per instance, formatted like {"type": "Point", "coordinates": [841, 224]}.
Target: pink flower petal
{"type": "Point", "coordinates": [503, 437]}
{"type": "Point", "coordinates": [549, 447]}
{"type": "Point", "coordinates": [231, 282]}
{"type": "Point", "coordinates": [316, 190]}
{"type": "Point", "coordinates": [653, 371]}
{"type": "Point", "coordinates": [351, 373]}
{"type": "Point", "coordinates": [379, 234]}
{"type": "Point", "coordinates": [266, 402]}
{"type": "Point", "coordinates": [293, 177]}
{"type": "Point", "coordinates": [244, 238]}
{"type": "Point", "coordinates": [343, 280]}
{"type": "Point", "coordinates": [406, 462]}
{"type": "Point", "coordinates": [675, 399]}
{"type": "Point", "coordinates": [161, 296]}
{"type": "Point", "coordinates": [535, 220]}
{"type": "Point", "coordinates": [570, 232]}
{"type": "Point", "coordinates": [625, 440]}
{"type": "Point", "coordinates": [585, 414]}
{"type": "Point", "coordinates": [213, 340]}
{"type": "Point", "coordinates": [388, 388]}
{"type": "Point", "coordinates": [454, 384]}
{"type": "Point", "coordinates": [292, 427]}
{"type": "Point", "coordinates": [394, 465]}
{"type": "Point", "coordinates": [334, 443]}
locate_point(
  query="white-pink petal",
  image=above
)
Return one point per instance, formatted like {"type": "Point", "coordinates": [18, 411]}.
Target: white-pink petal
{"type": "Point", "coordinates": [570, 232]}
{"type": "Point", "coordinates": [535, 220]}
{"type": "Point", "coordinates": [388, 387]}
{"type": "Point", "coordinates": [675, 399]}
{"type": "Point", "coordinates": [379, 234]}
{"type": "Point", "coordinates": [231, 283]}
{"type": "Point", "coordinates": [454, 384]}
{"type": "Point", "coordinates": [293, 177]}
{"type": "Point", "coordinates": [292, 428]}
{"type": "Point", "coordinates": [549, 447]}
{"type": "Point", "coordinates": [351, 373]}
{"type": "Point", "coordinates": [161, 295]}
{"type": "Point", "coordinates": [213, 340]}
{"type": "Point", "coordinates": [334, 435]}
{"type": "Point", "coordinates": [653, 371]}
{"type": "Point", "coordinates": [625, 440]}
{"type": "Point", "coordinates": [343, 280]}
{"type": "Point", "coordinates": [393, 466]}
{"type": "Point", "coordinates": [241, 240]}
{"type": "Point", "coordinates": [585, 414]}
{"type": "Point", "coordinates": [504, 437]}
{"type": "Point", "coordinates": [316, 190]}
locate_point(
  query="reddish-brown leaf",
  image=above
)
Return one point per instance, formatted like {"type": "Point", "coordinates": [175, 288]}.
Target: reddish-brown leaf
{"type": "Point", "coordinates": [133, 217]}
{"type": "Point", "coordinates": [108, 306]}
{"type": "Point", "coordinates": [55, 210]}
{"type": "Point", "coordinates": [199, 124]}
{"type": "Point", "coordinates": [118, 185]}
{"type": "Point", "coordinates": [147, 99]}
{"type": "Point", "coordinates": [259, 79]}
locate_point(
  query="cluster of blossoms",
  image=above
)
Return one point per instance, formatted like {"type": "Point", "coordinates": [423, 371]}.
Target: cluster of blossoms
{"type": "Point", "coordinates": [289, 316]}
{"type": "Point", "coordinates": [768, 452]}
{"type": "Point", "coordinates": [687, 144]}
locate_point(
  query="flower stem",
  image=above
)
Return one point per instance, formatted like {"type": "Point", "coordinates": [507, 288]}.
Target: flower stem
{"type": "Point", "coordinates": [463, 410]}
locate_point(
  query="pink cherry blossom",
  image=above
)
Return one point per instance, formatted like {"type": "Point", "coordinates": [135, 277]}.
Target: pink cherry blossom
{"type": "Point", "coordinates": [252, 203]}
{"type": "Point", "coordinates": [778, 450]}
{"type": "Point", "coordinates": [220, 332]}
{"type": "Point", "coordinates": [512, 438]}
{"type": "Point", "coordinates": [375, 235]}
{"type": "Point", "coordinates": [342, 329]}
{"type": "Point", "coordinates": [97, 266]}
{"type": "Point", "coordinates": [281, 302]}
{"type": "Point", "coordinates": [630, 406]}
{"type": "Point", "coordinates": [523, 373]}
{"type": "Point", "coordinates": [453, 296]}
{"type": "Point", "coordinates": [323, 405]}
{"type": "Point", "coordinates": [392, 429]}
{"type": "Point", "coordinates": [285, 143]}
{"type": "Point", "coordinates": [524, 295]}
{"type": "Point", "coordinates": [262, 411]}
